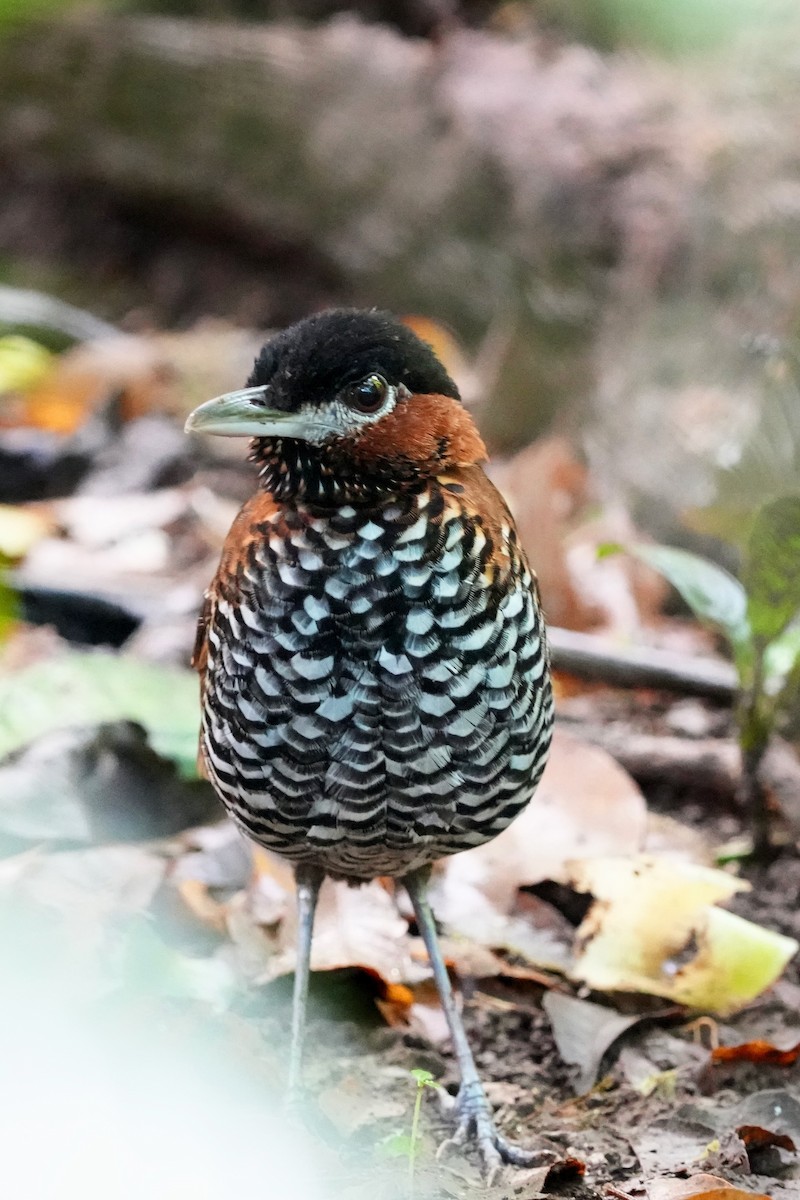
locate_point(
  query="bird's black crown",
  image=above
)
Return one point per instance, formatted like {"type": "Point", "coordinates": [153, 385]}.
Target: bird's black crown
{"type": "Point", "coordinates": [312, 361]}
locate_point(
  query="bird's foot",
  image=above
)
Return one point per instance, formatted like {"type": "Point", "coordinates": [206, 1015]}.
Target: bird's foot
{"type": "Point", "coordinates": [476, 1125]}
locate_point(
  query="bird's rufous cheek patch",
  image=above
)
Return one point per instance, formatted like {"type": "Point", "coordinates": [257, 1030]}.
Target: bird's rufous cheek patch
{"type": "Point", "coordinates": [425, 429]}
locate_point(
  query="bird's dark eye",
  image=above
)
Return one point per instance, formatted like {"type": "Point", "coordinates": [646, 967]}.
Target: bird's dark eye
{"type": "Point", "coordinates": [368, 395]}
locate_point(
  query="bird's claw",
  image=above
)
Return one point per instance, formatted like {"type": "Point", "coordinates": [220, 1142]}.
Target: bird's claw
{"type": "Point", "coordinates": [476, 1124]}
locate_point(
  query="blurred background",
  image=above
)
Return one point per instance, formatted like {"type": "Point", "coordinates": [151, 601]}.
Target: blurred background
{"type": "Point", "coordinates": [591, 208]}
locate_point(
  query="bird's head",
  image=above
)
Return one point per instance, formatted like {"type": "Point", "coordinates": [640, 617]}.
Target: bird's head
{"type": "Point", "coordinates": [345, 404]}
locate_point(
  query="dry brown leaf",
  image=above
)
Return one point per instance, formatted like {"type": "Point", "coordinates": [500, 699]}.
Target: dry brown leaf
{"type": "Point", "coordinates": [758, 1051]}
{"type": "Point", "coordinates": [271, 866]}
{"type": "Point", "coordinates": [443, 343]}
{"type": "Point", "coordinates": [699, 1187]}
{"type": "Point", "coordinates": [545, 486]}
{"type": "Point", "coordinates": [755, 1137]}
{"type": "Point", "coordinates": [549, 1177]}
{"type": "Point", "coordinates": [417, 1009]}
{"type": "Point", "coordinates": [159, 372]}
{"type": "Point", "coordinates": [202, 905]}
{"type": "Point", "coordinates": [354, 927]}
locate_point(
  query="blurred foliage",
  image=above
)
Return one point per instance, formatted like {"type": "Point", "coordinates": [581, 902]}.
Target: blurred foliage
{"type": "Point", "coordinates": [759, 617]}
{"type": "Point", "coordinates": [82, 688]}
{"type": "Point", "coordinates": [768, 463]}
{"type": "Point", "coordinates": [19, 530]}
{"type": "Point", "coordinates": [673, 27]}
{"type": "Point", "coordinates": [13, 12]}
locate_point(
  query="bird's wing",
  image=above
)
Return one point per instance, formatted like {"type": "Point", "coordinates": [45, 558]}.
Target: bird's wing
{"type": "Point", "coordinates": [200, 651]}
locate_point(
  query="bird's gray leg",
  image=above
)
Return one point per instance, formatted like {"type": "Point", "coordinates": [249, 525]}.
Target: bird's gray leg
{"type": "Point", "coordinates": [475, 1115]}
{"type": "Point", "coordinates": [308, 880]}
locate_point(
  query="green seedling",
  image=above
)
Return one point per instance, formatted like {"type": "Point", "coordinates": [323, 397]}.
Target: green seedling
{"type": "Point", "coordinates": [424, 1080]}
{"type": "Point", "coordinates": [402, 1144]}
{"type": "Point", "coordinates": [759, 616]}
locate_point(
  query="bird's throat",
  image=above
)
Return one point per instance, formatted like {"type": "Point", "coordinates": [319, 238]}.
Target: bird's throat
{"type": "Point", "coordinates": [294, 470]}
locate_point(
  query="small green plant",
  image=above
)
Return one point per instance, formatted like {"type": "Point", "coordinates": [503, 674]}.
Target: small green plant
{"type": "Point", "coordinates": [759, 616]}
{"type": "Point", "coordinates": [9, 600]}
{"type": "Point", "coordinates": [407, 1144]}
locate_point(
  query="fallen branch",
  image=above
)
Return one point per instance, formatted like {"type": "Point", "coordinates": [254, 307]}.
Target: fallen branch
{"type": "Point", "coordinates": [711, 765]}
{"type": "Point", "coordinates": [592, 657]}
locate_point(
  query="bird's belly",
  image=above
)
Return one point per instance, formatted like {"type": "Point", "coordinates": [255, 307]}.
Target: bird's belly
{"type": "Point", "coordinates": [376, 712]}
{"type": "Point", "coordinates": [378, 773]}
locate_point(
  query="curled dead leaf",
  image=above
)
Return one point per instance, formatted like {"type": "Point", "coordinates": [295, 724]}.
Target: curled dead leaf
{"type": "Point", "coordinates": [755, 1137]}
{"type": "Point", "coordinates": [551, 1175]}
{"type": "Point", "coordinates": [758, 1051]}
{"type": "Point", "coordinates": [546, 485]}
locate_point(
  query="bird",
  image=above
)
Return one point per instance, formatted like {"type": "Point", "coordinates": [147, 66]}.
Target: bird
{"type": "Point", "coordinates": [375, 683]}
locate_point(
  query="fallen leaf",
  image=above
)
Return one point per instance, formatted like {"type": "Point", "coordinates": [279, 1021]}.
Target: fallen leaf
{"type": "Point", "coordinates": [584, 1033]}
{"type": "Point", "coordinates": [202, 904]}
{"type": "Point", "coordinates": [417, 1009]}
{"type": "Point", "coordinates": [353, 927]}
{"type": "Point", "coordinates": [644, 1076]}
{"type": "Point", "coordinates": [760, 1120]}
{"type": "Point", "coordinates": [545, 486]}
{"type": "Point", "coordinates": [443, 343]}
{"type": "Point", "coordinates": [98, 883]}
{"type": "Point", "coordinates": [654, 928]}
{"type": "Point", "coordinates": [77, 901]}
{"type": "Point", "coordinates": [550, 1176]}
{"type": "Point", "coordinates": [775, 1109]}
{"type": "Point", "coordinates": [699, 1187]}
{"type": "Point", "coordinates": [98, 784]}
{"type": "Point", "coordinates": [755, 1137]}
{"type": "Point", "coordinates": [99, 687]}
{"type": "Point", "coordinates": [219, 856]}
{"type": "Point", "coordinates": [757, 1052]}
{"type": "Point", "coordinates": [674, 1144]}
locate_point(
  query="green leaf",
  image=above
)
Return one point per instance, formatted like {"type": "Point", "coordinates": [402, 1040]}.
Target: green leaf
{"type": "Point", "coordinates": [781, 657]}
{"type": "Point", "coordinates": [772, 568]}
{"type": "Point", "coordinates": [397, 1145]}
{"type": "Point", "coordinates": [712, 593]}
{"type": "Point", "coordinates": [422, 1077]}
{"type": "Point", "coordinates": [80, 688]}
